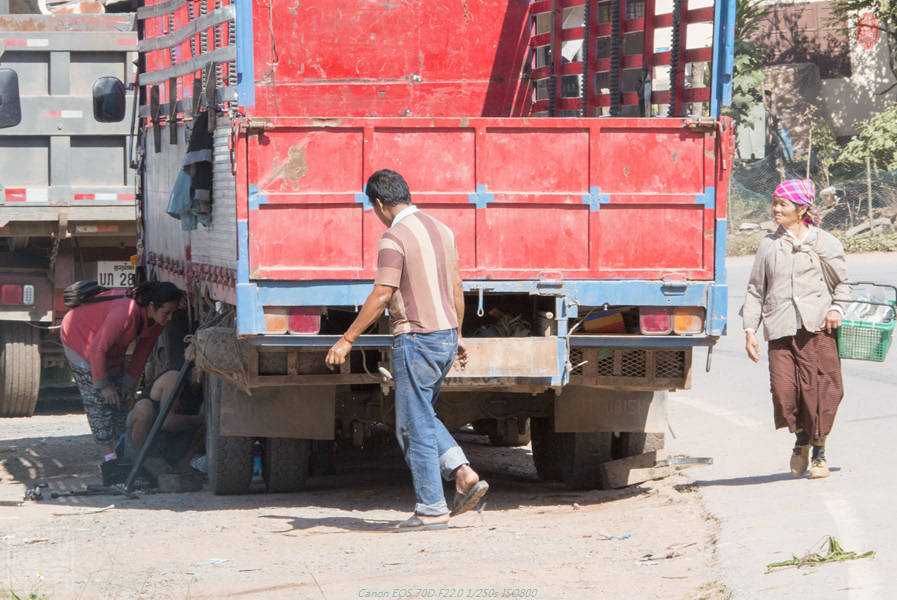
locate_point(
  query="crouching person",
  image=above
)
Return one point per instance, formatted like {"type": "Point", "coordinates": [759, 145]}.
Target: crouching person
{"type": "Point", "coordinates": [95, 337]}
{"type": "Point", "coordinates": [180, 434]}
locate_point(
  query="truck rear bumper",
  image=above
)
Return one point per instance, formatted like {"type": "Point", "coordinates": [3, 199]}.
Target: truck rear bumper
{"type": "Point", "coordinates": [523, 363]}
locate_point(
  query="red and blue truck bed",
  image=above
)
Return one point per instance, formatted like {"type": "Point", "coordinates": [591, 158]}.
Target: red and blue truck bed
{"type": "Point", "coordinates": [575, 148]}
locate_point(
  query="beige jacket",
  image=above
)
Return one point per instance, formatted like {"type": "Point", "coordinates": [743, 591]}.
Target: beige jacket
{"type": "Point", "coordinates": [787, 283]}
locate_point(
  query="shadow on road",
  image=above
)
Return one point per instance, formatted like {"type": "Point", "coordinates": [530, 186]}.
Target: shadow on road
{"type": "Point", "coordinates": [372, 479]}
{"type": "Point", "coordinates": [346, 523]}
{"type": "Point", "coordinates": [754, 480]}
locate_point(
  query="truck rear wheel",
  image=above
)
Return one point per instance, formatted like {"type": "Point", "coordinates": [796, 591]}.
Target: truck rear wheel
{"type": "Point", "coordinates": [548, 466]}
{"type": "Point", "coordinates": [287, 464]}
{"type": "Point", "coordinates": [581, 456]}
{"type": "Point", "coordinates": [574, 458]}
{"type": "Point", "coordinates": [229, 457]}
{"type": "Point", "coordinates": [19, 369]}
{"type": "Point", "coordinates": [508, 433]}
{"type": "Point", "coordinates": [503, 432]}
{"type": "Point", "coordinates": [634, 443]}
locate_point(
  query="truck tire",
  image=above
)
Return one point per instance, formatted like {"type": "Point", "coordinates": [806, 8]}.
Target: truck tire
{"type": "Point", "coordinates": [507, 433]}
{"type": "Point", "coordinates": [229, 457]}
{"type": "Point", "coordinates": [286, 464]}
{"type": "Point", "coordinates": [581, 456]}
{"type": "Point", "coordinates": [634, 443]}
{"type": "Point", "coordinates": [545, 457]}
{"type": "Point", "coordinates": [573, 458]}
{"type": "Point", "coordinates": [20, 366]}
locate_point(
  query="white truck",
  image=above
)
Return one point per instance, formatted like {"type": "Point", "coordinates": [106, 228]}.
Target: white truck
{"type": "Point", "coordinates": [67, 203]}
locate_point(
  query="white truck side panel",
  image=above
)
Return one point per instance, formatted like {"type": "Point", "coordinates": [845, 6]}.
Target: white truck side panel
{"type": "Point", "coordinates": [217, 245]}
{"type": "Point", "coordinates": [163, 233]}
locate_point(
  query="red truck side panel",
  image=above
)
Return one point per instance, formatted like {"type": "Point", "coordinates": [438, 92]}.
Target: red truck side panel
{"type": "Point", "coordinates": [403, 57]}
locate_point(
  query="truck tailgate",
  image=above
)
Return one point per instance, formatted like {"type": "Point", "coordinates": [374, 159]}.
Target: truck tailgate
{"type": "Point", "coordinates": [526, 198]}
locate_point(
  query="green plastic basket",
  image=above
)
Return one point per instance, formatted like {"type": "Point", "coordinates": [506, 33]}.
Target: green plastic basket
{"type": "Point", "coordinates": [862, 340]}
{"type": "Point", "coordinates": [865, 340]}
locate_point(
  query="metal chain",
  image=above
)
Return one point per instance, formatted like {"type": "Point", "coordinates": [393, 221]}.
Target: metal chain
{"type": "Point", "coordinates": [616, 51]}
{"type": "Point", "coordinates": [675, 44]}
{"type": "Point", "coordinates": [54, 252]}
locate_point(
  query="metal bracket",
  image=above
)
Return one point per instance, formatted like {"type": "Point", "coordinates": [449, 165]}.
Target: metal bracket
{"type": "Point", "coordinates": [255, 126]}
{"type": "Point", "coordinates": [595, 198]}
{"type": "Point", "coordinates": [156, 118]}
{"type": "Point", "coordinates": [481, 197]}
{"type": "Point", "coordinates": [674, 284]}
{"type": "Point", "coordinates": [197, 96]}
{"type": "Point", "coordinates": [173, 111]}
{"type": "Point", "coordinates": [706, 124]}
{"type": "Point", "coordinates": [212, 94]}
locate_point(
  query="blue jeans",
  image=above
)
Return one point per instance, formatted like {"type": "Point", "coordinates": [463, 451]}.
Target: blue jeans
{"type": "Point", "coordinates": [420, 361]}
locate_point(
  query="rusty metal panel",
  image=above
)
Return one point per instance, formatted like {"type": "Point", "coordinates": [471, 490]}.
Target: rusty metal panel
{"type": "Point", "coordinates": [510, 357]}
{"type": "Point", "coordinates": [307, 412]}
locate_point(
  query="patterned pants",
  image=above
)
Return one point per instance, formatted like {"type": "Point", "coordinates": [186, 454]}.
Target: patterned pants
{"type": "Point", "coordinates": [107, 422]}
{"type": "Point", "coordinates": [805, 377]}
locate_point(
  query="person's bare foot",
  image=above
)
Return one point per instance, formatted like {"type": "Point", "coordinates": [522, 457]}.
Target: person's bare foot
{"type": "Point", "coordinates": [465, 478]}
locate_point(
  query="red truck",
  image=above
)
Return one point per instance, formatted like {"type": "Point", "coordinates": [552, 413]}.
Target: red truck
{"type": "Point", "coordinates": [575, 147]}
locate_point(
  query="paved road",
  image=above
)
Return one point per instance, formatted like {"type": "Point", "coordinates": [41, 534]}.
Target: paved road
{"type": "Point", "coordinates": [767, 515]}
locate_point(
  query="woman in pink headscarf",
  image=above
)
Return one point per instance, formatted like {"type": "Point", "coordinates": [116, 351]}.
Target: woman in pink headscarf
{"type": "Point", "coordinates": [798, 272]}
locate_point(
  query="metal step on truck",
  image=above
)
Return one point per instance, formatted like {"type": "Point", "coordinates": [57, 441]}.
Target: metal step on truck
{"type": "Point", "coordinates": [575, 148]}
{"type": "Point", "coordinates": [67, 203]}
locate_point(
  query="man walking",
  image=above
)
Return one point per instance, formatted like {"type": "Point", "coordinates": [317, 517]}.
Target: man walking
{"type": "Point", "coordinates": [419, 281]}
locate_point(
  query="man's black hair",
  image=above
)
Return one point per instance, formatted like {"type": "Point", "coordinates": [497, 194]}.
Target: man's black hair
{"type": "Point", "coordinates": [389, 187]}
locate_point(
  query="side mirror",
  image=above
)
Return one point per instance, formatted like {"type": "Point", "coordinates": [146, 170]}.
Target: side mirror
{"type": "Point", "coordinates": [108, 100]}
{"type": "Point", "coordinates": [10, 107]}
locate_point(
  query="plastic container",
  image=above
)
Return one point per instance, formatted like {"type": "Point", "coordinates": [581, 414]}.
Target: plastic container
{"type": "Point", "coordinates": [609, 321]}
{"type": "Point", "coordinates": [655, 320]}
{"type": "Point", "coordinates": [861, 339]}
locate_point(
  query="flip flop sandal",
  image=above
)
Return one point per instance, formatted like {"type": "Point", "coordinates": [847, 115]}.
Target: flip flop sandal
{"type": "Point", "coordinates": [464, 502]}
{"type": "Point", "coordinates": [415, 524]}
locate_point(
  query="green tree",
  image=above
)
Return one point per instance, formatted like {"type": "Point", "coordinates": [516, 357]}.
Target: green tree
{"type": "Point", "coordinates": [877, 139]}
{"type": "Point", "coordinates": [748, 79]}
{"type": "Point", "coordinates": [846, 12]}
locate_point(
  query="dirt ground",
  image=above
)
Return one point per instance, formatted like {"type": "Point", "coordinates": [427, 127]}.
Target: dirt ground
{"type": "Point", "coordinates": [531, 540]}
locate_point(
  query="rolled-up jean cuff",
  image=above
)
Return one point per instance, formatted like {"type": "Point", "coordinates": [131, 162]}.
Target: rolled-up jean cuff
{"type": "Point", "coordinates": [431, 510]}
{"type": "Point", "coordinates": [450, 460]}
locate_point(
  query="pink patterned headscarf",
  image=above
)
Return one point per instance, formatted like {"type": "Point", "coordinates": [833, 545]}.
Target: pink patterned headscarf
{"type": "Point", "coordinates": [801, 192]}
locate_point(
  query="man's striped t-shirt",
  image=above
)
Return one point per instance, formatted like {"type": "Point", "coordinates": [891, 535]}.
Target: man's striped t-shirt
{"type": "Point", "coordinates": [418, 257]}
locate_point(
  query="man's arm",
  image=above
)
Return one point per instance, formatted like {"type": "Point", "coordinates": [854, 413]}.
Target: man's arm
{"type": "Point", "coordinates": [372, 310]}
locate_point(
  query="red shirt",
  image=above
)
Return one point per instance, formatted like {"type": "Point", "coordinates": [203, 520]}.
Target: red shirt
{"type": "Point", "coordinates": [100, 332]}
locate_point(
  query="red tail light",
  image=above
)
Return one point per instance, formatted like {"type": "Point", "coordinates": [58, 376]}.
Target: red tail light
{"type": "Point", "coordinates": [11, 293]}
{"type": "Point", "coordinates": [655, 320]}
{"type": "Point", "coordinates": [305, 319]}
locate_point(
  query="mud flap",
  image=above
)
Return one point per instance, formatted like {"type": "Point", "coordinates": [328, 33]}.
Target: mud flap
{"type": "Point", "coordinates": [279, 412]}
{"type": "Point", "coordinates": [583, 409]}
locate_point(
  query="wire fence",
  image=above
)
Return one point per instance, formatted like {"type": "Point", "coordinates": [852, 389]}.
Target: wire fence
{"type": "Point", "coordinates": [845, 201]}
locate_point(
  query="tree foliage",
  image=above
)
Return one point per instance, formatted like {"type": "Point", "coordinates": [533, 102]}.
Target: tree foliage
{"type": "Point", "coordinates": [846, 12]}
{"type": "Point", "coordinates": [748, 78]}
{"type": "Point", "coordinates": [877, 139]}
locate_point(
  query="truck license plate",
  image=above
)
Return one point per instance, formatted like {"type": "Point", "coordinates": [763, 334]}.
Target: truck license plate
{"type": "Point", "coordinates": [115, 274]}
